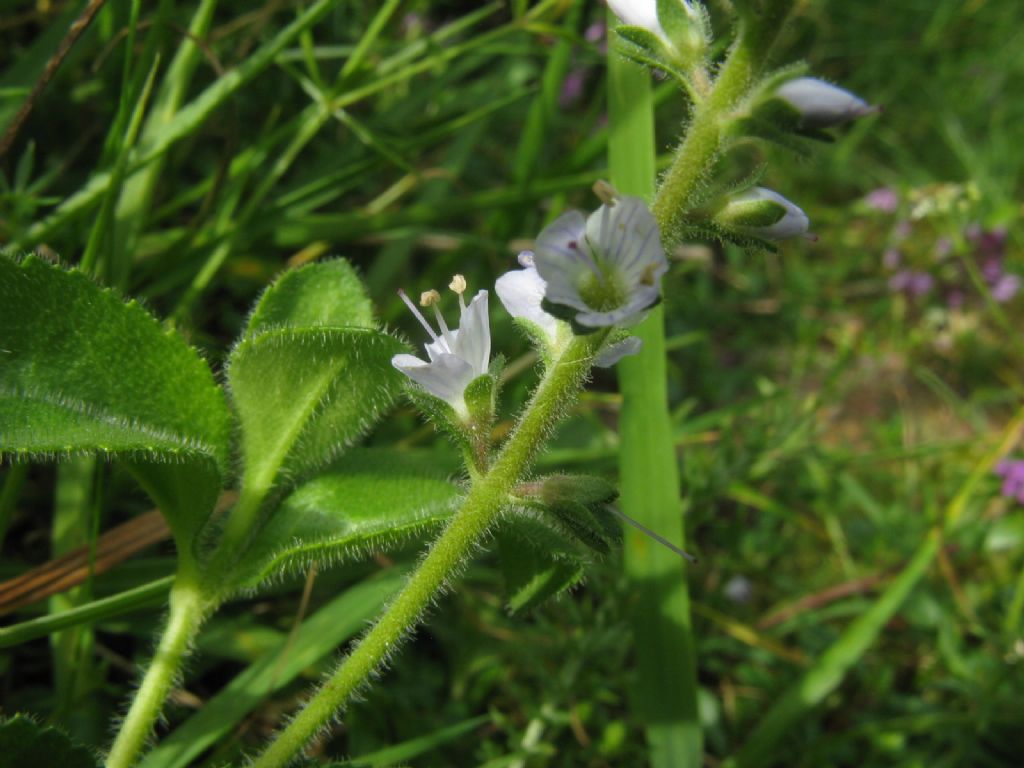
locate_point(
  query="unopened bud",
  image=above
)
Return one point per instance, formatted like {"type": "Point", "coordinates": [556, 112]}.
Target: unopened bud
{"type": "Point", "coordinates": [763, 213]}
{"type": "Point", "coordinates": [822, 105]}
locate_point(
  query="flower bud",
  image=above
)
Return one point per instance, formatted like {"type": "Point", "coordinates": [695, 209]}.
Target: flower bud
{"type": "Point", "coordinates": [639, 13]}
{"type": "Point", "coordinates": [820, 104]}
{"type": "Point", "coordinates": [761, 212]}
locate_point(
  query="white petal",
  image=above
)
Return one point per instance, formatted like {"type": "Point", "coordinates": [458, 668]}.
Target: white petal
{"type": "Point", "coordinates": [793, 224]}
{"type": "Point", "coordinates": [611, 354]}
{"type": "Point", "coordinates": [822, 104]}
{"type": "Point", "coordinates": [446, 377]}
{"type": "Point", "coordinates": [521, 291]}
{"type": "Point", "coordinates": [562, 259]}
{"type": "Point", "coordinates": [639, 13]}
{"type": "Point", "coordinates": [626, 236]}
{"type": "Point", "coordinates": [473, 341]}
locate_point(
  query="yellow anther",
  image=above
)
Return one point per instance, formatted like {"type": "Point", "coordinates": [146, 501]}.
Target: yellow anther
{"type": "Point", "coordinates": [647, 278]}
{"type": "Point", "coordinates": [605, 192]}
{"type": "Point", "coordinates": [458, 284]}
{"type": "Point", "coordinates": [429, 298]}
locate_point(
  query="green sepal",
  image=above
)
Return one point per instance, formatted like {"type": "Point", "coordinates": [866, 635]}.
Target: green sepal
{"type": "Point", "coordinates": [578, 503]}
{"type": "Point", "coordinates": [24, 742]}
{"type": "Point", "coordinates": [531, 578]}
{"type": "Point", "coordinates": [540, 558]}
{"type": "Point", "coordinates": [577, 518]}
{"type": "Point", "coordinates": [689, 34]}
{"type": "Point", "coordinates": [581, 489]}
{"type": "Point", "coordinates": [647, 49]}
{"type": "Point", "coordinates": [441, 414]}
{"type": "Point", "coordinates": [479, 396]}
{"type": "Point", "coordinates": [754, 214]}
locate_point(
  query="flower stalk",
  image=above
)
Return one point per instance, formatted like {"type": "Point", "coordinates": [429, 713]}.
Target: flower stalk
{"type": "Point", "coordinates": [480, 509]}
{"type": "Point", "coordinates": [188, 606]}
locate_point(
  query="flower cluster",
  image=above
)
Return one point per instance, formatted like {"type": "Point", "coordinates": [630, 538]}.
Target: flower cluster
{"type": "Point", "coordinates": [926, 255]}
{"type": "Point", "coordinates": [586, 274]}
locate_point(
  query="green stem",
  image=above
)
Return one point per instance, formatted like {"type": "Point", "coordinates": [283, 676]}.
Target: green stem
{"type": "Point", "coordinates": [480, 509]}
{"type": "Point", "coordinates": [187, 608]}
{"type": "Point", "coordinates": [703, 140]}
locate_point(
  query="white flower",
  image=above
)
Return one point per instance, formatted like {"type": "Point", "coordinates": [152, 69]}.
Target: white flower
{"type": "Point", "coordinates": [522, 292]}
{"type": "Point", "coordinates": [607, 267]}
{"type": "Point", "coordinates": [747, 208]}
{"type": "Point", "coordinates": [639, 13]}
{"type": "Point", "coordinates": [456, 357]}
{"type": "Point", "coordinates": [687, 21]}
{"type": "Point", "coordinates": [821, 104]}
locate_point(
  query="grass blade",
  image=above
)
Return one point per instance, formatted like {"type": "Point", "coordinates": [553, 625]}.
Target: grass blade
{"type": "Point", "coordinates": [666, 695]}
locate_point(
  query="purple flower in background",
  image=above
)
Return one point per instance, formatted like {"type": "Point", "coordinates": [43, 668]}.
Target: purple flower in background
{"type": "Point", "coordinates": [911, 283]}
{"type": "Point", "coordinates": [595, 32]}
{"type": "Point", "coordinates": [883, 199]}
{"type": "Point", "coordinates": [1012, 472]}
{"type": "Point", "coordinates": [1005, 288]}
{"type": "Point", "coordinates": [943, 247]}
{"type": "Point", "coordinates": [955, 298]}
{"type": "Point", "coordinates": [572, 87]}
{"type": "Point", "coordinates": [892, 258]}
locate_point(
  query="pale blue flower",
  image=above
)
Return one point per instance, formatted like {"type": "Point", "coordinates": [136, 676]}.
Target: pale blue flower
{"type": "Point", "coordinates": [605, 269]}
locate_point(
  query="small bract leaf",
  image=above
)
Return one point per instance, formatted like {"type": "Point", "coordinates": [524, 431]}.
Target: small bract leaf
{"type": "Point", "coordinates": [81, 371]}
{"type": "Point", "coordinates": [368, 501]}
{"type": "Point", "coordinates": [24, 742]}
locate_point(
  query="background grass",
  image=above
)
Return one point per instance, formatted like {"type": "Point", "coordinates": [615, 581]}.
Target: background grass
{"type": "Point", "coordinates": [825, 423]}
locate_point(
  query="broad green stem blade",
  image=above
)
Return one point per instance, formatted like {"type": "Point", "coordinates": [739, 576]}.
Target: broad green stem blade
{"type": "Point", "coordinates": [666, 693]}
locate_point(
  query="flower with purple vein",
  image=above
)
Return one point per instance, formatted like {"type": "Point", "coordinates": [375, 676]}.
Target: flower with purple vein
{"type": "Point", "coordinates": [603, 270]}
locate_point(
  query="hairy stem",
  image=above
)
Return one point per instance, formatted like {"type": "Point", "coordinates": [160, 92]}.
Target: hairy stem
{"type": "Point", "coordinates": [187, 608]}
{"type": "Point", "coordinates": [480, 509]}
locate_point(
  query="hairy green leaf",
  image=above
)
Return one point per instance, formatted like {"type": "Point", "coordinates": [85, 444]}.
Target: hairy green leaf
{"type": "Point", "coordinates": [81, 371]}
{"type": "Point", "coordinates": [369, 500]}
{"type": "Point", "coordinates": [328, 293]}
{"type": "Point", "coordinates": [310, 375]}
{"type": "Point", "coordinates": [24, 742]}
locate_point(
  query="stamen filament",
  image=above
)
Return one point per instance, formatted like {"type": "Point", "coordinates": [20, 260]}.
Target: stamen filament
{"type": "Point", "coordinates": [449, 339]}
{"type": "Point", "coordinates": [417, 314]}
